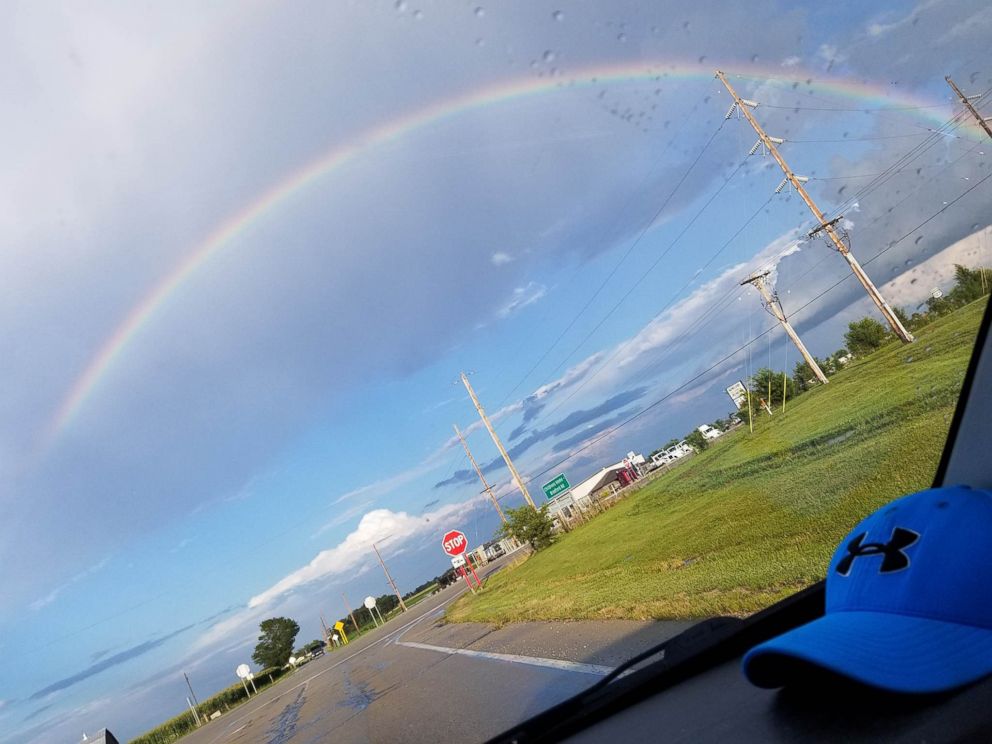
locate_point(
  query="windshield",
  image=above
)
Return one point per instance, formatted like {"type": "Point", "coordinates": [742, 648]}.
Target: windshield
{"type": "Point", "coordinates": [350, 349]}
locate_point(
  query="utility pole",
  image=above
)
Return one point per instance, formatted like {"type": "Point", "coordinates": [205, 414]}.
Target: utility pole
{"type": "Point", "coordinates": [827, 226]}
{"type": "Point", "coordinates": [389, 579]}
{"type": "Point", "coordinates": [195, 701]}
{"type": "Point", "coordinates": [327, 632]}
{"type": "Point", "coordinates": [772, 302]}
{"type": "Point", "coordinates": [478, 470]}
{"type": "Point", "coordinates": [966, 100]}
{"type": "Point", "coordinates": [350, 614]}
{"type": "Point", "coordinates": [499, 445]}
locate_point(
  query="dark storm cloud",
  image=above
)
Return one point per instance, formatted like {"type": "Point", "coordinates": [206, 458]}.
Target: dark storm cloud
{"type": "Point", "coordinates": [108, 663]}
{"type": "Point", "coordinates": [601, 426]}
{"type": "Point", "coordinates": [566, 424]}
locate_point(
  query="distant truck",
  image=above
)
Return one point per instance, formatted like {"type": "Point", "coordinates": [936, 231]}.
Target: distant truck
{"type": "Point", "coordinates": [673, 453]}
{"type": "Point", "coordinates": [709, 432]}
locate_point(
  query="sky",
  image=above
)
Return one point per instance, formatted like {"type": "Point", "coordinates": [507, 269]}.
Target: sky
{"type": "Point", "coordinates": [248, 248]}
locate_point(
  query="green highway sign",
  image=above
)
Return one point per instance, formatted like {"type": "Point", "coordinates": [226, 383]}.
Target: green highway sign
{"type": "Point", "coordinates": [558, 484]}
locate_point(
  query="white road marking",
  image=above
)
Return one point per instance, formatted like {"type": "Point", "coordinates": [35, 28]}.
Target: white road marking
{"type": "Point", "coordinates": [282, 693]}
{"type": "Point", "coordinates": [565, 666]}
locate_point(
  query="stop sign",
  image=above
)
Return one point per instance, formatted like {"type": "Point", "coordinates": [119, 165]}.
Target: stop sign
{"type": "Point", "coordinates": [454, 542]}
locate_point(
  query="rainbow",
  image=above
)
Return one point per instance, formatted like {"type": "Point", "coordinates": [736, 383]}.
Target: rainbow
{"type": "Point", "coordinates": [227, 233]}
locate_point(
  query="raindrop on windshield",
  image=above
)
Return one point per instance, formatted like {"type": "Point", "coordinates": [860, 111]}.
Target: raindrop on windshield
{"type": "Point", "coordinates": [621, 37]}
{"type": "Point", "coordinates": [558, 15]}
{"type": "Point", "coordinates": [418, 14]}
{"type": "Point", "coordinates": [480, 41]}
{"type": "Point", "coordinates": [400, 5]}
{"type": "Point", "coordinates": [480, 11]}
{"type": "Point", "coordinates": [549, 56]}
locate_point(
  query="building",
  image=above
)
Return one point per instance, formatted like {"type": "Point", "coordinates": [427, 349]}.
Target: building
{"type": "Point", "coordinates": [572, 505]}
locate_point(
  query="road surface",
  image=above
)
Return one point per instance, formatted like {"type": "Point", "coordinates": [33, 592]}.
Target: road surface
{"type": "Point", "coordinates": [420, 680]}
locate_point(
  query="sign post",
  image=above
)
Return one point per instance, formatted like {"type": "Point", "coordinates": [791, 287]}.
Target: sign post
{"type": "Point", "coordinates": [339, 627]}
{"type": "Point", "coordinates": [557, 485]}
{"type": "Point", "coordinates": [244, 671]}
{"type": "Point", "coordinates": [370, 606]}
{"type": "Point", "coordinates": [471, 565]}
{"type": "Point", "coordinates": [454, 543]}
{"type": "Point", "coordinates": [458, 562]}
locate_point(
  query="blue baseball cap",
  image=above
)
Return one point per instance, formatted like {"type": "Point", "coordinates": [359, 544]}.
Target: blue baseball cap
{"type": "Point", "coordinates": [908, 601]}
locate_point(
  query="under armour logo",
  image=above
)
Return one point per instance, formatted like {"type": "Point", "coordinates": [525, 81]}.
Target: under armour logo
{"type": "Point", "coordinates": [895, 559]}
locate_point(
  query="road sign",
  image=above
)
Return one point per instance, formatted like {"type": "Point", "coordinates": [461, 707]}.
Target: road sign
{"type": "Point", "coordinates": [243, 671]}
{"type": "Point", "coordinates": [558, 484]}
{"type": "Point", "coordinates": [369, 603]}
{"type": "Point", "coordinates": [458, 561]}
{"type": "Point", "coordinates": [454, 542]}
{"type": "Point", "coordinates": [339, 625]}
{"type": "Point", "coordinates": [738, 394]}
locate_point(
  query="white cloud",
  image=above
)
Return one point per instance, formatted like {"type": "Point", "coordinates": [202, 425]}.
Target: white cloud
{"type": "Point", "coordinates": [54, 593]}
{"type": "Point", "coordinates": [911, 288]}
{"type": "Point", "coordinates": [791, 61]}
{"type": "Point", "coordinates": [500, 259]}
{"type": "Point", "coordinates": [830, 55]}
{"type": "Point", "coordinates": [521, 298]}
{"type": "Point", "coordinates": [382, 526]}
{"type": "Point", "coordinates": [342, 517]}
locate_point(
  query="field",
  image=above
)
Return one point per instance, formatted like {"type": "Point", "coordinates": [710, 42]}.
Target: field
{"type": "Point", "coordinates": [756, 516]}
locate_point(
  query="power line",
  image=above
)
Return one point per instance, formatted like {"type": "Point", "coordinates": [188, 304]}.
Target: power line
{"type": "Point", "coordinates": [880, 109]}
{"type": "Point", "coordinates": [643, 275]}
{"type": "Point", "coordinates": [633, 417]}
{"type": "Point", "coordinates": [855, 139]}
{"type": "Point", "coordinates": [668, 304]}
{"type": "Point", "coordinates": [626, 253]}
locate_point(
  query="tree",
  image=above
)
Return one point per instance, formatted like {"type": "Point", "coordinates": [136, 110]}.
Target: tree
{"type": "Point", "coordinates": [969, 285]}
{"type": "Point", "coordinates": [864, 336]}
{"type": "Point", "coordinates": [312, 646]}
{"type": "Point", "coordinates": [765, 378]}
{"type": "Point", "coordinates": [275, 644]}
{"type": "Point", "coordinates": [697, 441]}
{"type": "Point", "coordinates": [529, 526]}
{"type": "Point", "coordinates": [804, 377]}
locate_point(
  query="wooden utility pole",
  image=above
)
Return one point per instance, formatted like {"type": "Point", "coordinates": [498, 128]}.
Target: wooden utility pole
{"type": "Point", "coordinates": [350, 614]}
{"type": "Point", "coordinates": [478, 470]}
{"type": "Point", "coordinates": [499, 445]}
{"type": "Point", "coordinates": [196, 703]}
{"type": "Point", "coordinates": [772, 303]}
{"type": "Point", "coordinates": [327, 632]}
{"type": "Point", "coordinates": [966, 100]}
{"type": "Point", "coordinates": [389, 579]}
{"type": "Point", "coordinates": [827, 226]}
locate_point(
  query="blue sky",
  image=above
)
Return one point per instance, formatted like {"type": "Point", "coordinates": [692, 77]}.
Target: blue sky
{"type": "Point", "coordinates": [293, 400]}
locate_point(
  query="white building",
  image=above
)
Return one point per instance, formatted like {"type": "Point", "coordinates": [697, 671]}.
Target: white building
{"type": "Point", "coordinates": [573, 504]}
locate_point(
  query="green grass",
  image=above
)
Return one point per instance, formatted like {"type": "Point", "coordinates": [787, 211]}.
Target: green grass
{"type": "Point", "coordinates": [419, 596]}
{"type": "Point", "coordinates": [755, 517]}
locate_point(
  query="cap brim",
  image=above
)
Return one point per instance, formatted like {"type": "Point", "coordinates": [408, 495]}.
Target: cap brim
{"type": "Point", "coordinates": [893, 652]}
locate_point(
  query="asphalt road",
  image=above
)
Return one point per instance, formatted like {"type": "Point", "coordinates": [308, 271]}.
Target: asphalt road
{"type": "Point", "coordinates": [419, 680]}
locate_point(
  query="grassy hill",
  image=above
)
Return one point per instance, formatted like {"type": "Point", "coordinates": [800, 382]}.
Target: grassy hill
{"type": "Point", "coordinates": [757, 516]}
